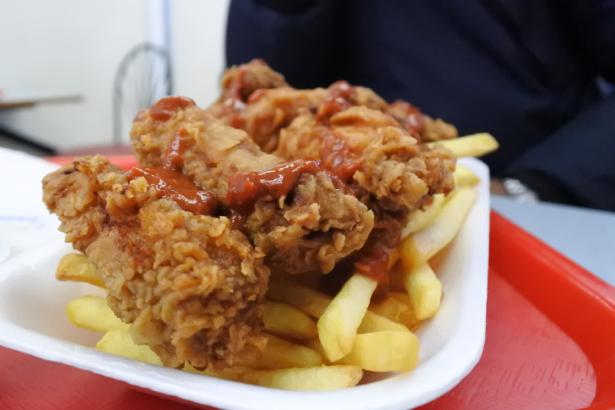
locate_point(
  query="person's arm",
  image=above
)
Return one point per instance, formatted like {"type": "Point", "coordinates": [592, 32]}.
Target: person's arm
{"type": "Point", "coordinates": [577, 163]}
{"type": "Point", "coordinates": [294, 37]}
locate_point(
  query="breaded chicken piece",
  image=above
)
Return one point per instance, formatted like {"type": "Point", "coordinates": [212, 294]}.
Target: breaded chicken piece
{"type": "Point", "coordinates": [239, 82]}
{"type": "Point", "coordinates": [299, 215]}
{"type": "Point", "coordinates": [374, 153]}
{"type": "Point", "coordinates": [191, 285]}
{"type": "Point", "coordinates": [374, 146]}
{"type": "Point", "coordinates": [267, 111]}
{"type": "Point", "coordinates": [257, 99]}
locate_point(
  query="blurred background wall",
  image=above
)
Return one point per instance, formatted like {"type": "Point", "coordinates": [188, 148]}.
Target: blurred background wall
{"type": "Point", "coordinates": [75, 47]}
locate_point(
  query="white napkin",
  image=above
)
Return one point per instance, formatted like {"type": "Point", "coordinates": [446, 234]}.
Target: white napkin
{"type": "Point", "coordinates": [25, 222]}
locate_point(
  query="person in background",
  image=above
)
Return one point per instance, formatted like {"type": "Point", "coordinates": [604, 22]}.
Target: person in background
{"type": "Point", "coordinates": [526, 71]}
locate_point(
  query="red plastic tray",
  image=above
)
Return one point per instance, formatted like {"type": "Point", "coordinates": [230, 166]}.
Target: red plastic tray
{"type": "Point", "coordinates": [550, 332]}
{"type": "Point", "coordinates": [550, 344]}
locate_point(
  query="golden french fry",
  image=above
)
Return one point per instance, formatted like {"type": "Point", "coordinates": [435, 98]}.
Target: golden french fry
{"type": "Point", "coordinates": [93, 313]}
{"type": "Point", "coordinates": [421, 218]}
{"type": "Point", "coordinates": [373, 322]}
{"type": "Point", "coordinates": [465, 177]}
{"type": "Point", "coordinates": [424, 244]}
{"type": "Point", "coordinates": [315, 345]}
{"type": "Point", "coordinates": [338, 325]}
{"type": "Point", "coordinates": [387, 351]}
{"type": "Point", "coordinates": [117, 341]}
{"type": "Point", "coordinates": [397, 307]}
{"type": "Point", "coordinates": [474, 145]}
{"type": "Point", "coordinates": [314, 303]}
{"type": "Point", "coordinates": [310, 378]}
{"type": "Point", "coordinates": [280, 354]}
{"type": "Point", "coordinates": [287, 321]}
{"type": "Point", "coordinates": [424, 289]}
{"type": "Point", "coordinates": [300, 296]}
{"type": "Point", "coordinates": [77, 268]}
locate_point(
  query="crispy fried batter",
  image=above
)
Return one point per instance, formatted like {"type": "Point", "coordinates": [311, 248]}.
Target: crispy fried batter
{"type": "Point", "coordinates": [257, 99]}
{"type": "Point", "coordinates": [392, 167]}
{"type": "Point", "coordinates": [420, 124]}
{"type": "Point", "coordinates": [350, 127]}
{"type": "Point", "coordinates": [191, 286]}
{"type": "Point", "coordinates": [310, 229]}
{"type": "Point", "coordinates": [239, 82]}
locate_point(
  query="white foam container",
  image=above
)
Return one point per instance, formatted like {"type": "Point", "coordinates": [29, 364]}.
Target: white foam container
{"type": "Point", "coordinates": [33, 321]}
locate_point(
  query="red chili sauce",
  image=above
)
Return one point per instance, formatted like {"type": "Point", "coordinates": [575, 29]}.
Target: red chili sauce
{"type": "Point", "coordinates": [179, 188]}
{"type": "Point", "coordinates": [409, 116]}
{"type": "Point", "coordinates": [375, 263]}
{"type": "Point", "coordinates": [172, 184]}
{"type": "Point", "coordinates": [340, 98]}
{"type": "Point", "coordinates": [257, 95]}
{"type": "Point", "coordinates": [234, 87]}
{"type": "Point", "coordinates": [164, 109]}
{"type": "Point", "coordinates": [173, 157]}
{"type": "Point", "coordinates": [244, 188]}
{"type": "Point", "coordinates": [337, 157]}
{"type": "Point", "coordinates": [234, 102]}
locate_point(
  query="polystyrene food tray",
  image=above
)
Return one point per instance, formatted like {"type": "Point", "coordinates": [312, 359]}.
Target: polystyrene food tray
{"type": "Point", "coordinates": [32, 320]}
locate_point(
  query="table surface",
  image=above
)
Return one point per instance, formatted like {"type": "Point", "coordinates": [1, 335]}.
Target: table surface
{"type": "Point", "coordinates": [586, 236]}
{"type": "Point", "coordinates": [11, 101]}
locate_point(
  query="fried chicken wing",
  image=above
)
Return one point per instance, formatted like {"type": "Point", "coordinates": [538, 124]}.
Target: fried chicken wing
{"type": "Point", "coordinates": [369, 149]}
{"type": "Point", "coordinates": [190, 284]}
{"type": "Point", "coordinates": [374, 146]}
{"type": "Point", "coordinates": [268, 180]}
{"type": "Point", "coordinates": [297, 213]}
{"type": "Point", "coordinates": [240, 82]}
{"type": "Point", "coordinates": [257, 99]}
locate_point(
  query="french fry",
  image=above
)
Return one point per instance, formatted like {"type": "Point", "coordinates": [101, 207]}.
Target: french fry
{"type": "Point", "coordinates": [306, 299]}
{"type": "Point", "coordinates": [387, 351]}
{"type": "Point", "coordinates": [309, 379]}
{"type": "Point", "coordinates": [397, 307]}
{"type": "Point", "coordinates": [424, 244]}
{"type": "Point", "coordinates": [93, 313]}
{"type": "Point", "coordinates": [338, 325]}
{"type": "Point", "coordinates": [77, 268]}
{"type": "Point", "coordinates": [465, 177]}
{"type": "Point", "coordinates": [280, 354]}
{"type": "Point", "coordinates": [287, 321]}
{"type": "Point", "coordinates": [117, 341]}
{"type": "Point", "coordinates": [315, 345]}
{"type": "Point", "coordinates": [373, 322]}
{"type": "Point", "coordinates": [420, 218]}
{"type": "Point", "coordinates": [474, 145]}
{"type": "Point", "coordinates": [424, 289]}
{"type": "Point", "coordinates": [315, 303]}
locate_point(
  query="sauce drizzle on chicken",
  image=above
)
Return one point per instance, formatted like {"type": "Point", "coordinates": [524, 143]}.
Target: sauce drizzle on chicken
{"type": "Point", "coordinates": [164, 109]}
{"type": "Point", "coordinates": [245, 188]}
{"type": "Point", "coordinates": [173, 158]}
{"type": "Point", "coordinates": [178, 188]}
{"type": "Point", "coordinates": [337, 157]}
{"type": "Point", "coordinates": [172, 184]}
{"type": "Point", "coordinates": [376, 262]}
{"type": "Point", "coordinates": [340, 95]}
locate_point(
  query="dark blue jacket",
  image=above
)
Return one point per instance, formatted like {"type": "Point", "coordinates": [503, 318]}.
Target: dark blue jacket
{"type": "Point", "coordinates": [523, 70]}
